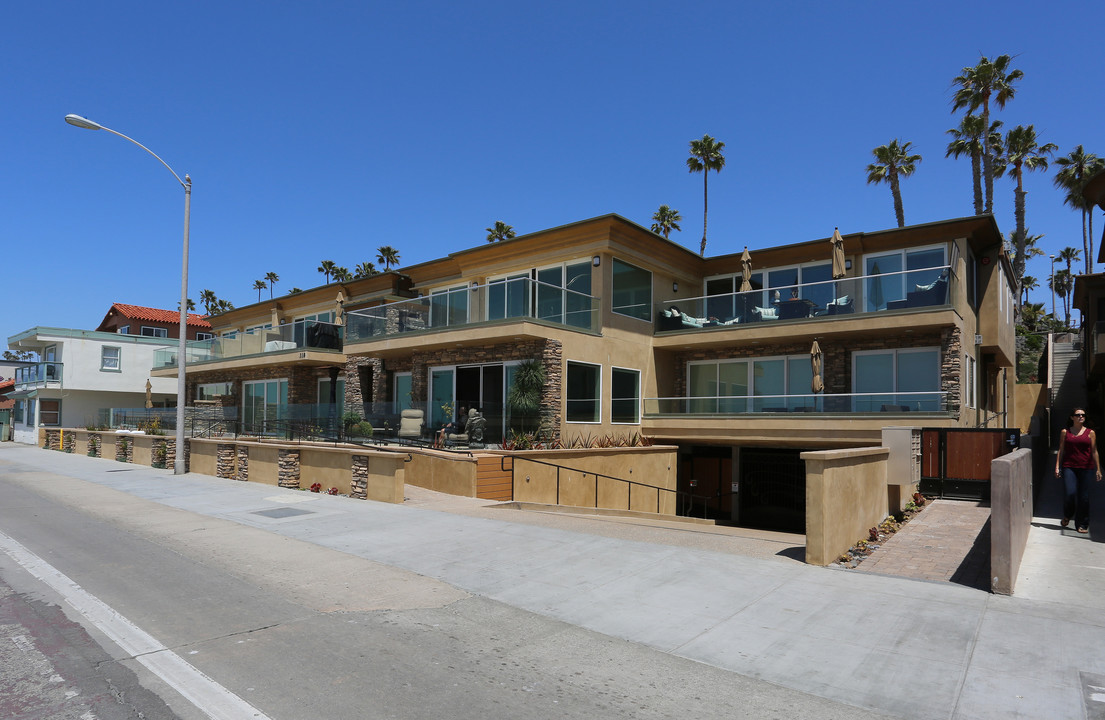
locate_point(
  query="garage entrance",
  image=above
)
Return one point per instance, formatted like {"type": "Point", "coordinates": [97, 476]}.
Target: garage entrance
{"type": "Point", "coordinates": [763, 488]}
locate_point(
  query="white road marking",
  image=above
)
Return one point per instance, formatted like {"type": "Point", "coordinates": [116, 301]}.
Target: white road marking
{"type": "Point", "coordinates": [208, 696]}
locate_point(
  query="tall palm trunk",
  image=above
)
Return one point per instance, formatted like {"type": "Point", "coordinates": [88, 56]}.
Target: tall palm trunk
{"type": "Point", "coordinates": [987, 156]}
{"type": "Point", "coordinates": [1089, 255]}
{"type": "Point", "coordinates": [976, 175]}
{"type": "Point", "coordinates": [1018, 265]}
{"type": "Point", "coordinates": [899, 212]}
{"type": "Point", "coordinates": [705, 207]}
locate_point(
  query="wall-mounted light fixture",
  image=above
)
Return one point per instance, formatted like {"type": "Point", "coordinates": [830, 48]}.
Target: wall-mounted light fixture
{"type": "Point", "coordinates": [848, 264]}
{"type": "Point", "coordinates": [596, 260]}
{"type": "Point", "coordinates": [675, 286]}
{"type": "Point", "coordinates": [475, 286]}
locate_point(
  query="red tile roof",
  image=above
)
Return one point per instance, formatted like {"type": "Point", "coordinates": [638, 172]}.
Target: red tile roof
{"type": "Point", "coordinates": [138, 312]}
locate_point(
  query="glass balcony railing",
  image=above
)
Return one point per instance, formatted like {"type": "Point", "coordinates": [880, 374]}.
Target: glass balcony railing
{"type": "Point", "coordinates": [299, 335]}
{"type": "Point", "coordinates": [38, 375]}
{"type": "Point", "coordinates": [865, 294]}
{"type": "Point", "coordinates": [499, 301]}
{"type": "Point", "coordinates": [891, 402]}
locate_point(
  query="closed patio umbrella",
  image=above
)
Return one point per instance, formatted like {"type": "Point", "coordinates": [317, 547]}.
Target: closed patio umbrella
{"type": "Point", "coordinates": [746, 271]}
{"type": "Point", "coordinates": [839, 269]}
{"type": "Point", "coordinates": [815, 362]}
{"type": "Point", "coordinates": [149, 397]}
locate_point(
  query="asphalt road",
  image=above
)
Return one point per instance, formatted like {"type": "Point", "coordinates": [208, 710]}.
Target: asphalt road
{"type": "Point", "coordinates": [289, 629]}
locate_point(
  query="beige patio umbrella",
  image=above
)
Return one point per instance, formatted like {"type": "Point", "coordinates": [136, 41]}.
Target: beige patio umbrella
{"type": "Point", "coordinates": [339, 311]}
{"type": "Point", "coordinates": [746, 271]}
{"type": "Point", "coordinates": [839, 269]}
{"type": "Point", "coordinates": [149, 396]}
{"type": "Point", "coordinates": [815, 362]}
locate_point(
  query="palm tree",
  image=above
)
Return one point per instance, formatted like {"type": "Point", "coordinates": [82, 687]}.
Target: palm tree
{"type": "Point", "coordinates": [1023, 153]}
{"type": "Point", "coordinates": [388, 256]}
{"type": "Point", "coordinates": [705, 156]}
{"type": "Point", "coordinates": [1062, 283]}
{"type": "Point", "coordinates": [1028, 283]}
{"type": "Point", "coordinates": [967, 140]}
{"type": "Point", "coordinates": [207, 297]}
{"type": "Point", "coordinates": [523, 401]}
{"type": "Point", "coordinates": [223, 306]}
{"type": "Point", "coordinates": [272, 279]}
{"type": "Point", "coordinates": [365, 269]}
{"type": "Point", "coordinates": [1077, 167]}
{"type": "Point", "coordinates": [665, 220]}
{"type": "Point", "coordinates": [976, 86]}
{"type": "Point", "coordinates": [891, 162]}
{"type": "Point", "coordinates": [1032, 314]}
{"type": "Point", "coordinates": [1068, 255]}
{"type": "Point", "coordinates": [341, 274]}
{"type": "Point", "coordinates": [327, 269]}
{"type": "Point", "coordinates": [499, 232]}
{"type": "Point", "coordinates": [191, 304]}
{"type": "Point", "coordinates": [259, 285]}
{"type": "Point", "coordinates": [294, 291]}
{"type": "Point", "coordinates": [1031, 249]}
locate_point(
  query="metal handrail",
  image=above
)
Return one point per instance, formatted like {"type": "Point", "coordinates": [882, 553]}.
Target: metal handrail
{"type": "Point", "coordinates": [630, 483]}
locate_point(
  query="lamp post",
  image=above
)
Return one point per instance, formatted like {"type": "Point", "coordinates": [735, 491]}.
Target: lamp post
{"type": "Point", "coordinates": [1052, 283]}
{"type": "Point", "coordinates": [186, 183]}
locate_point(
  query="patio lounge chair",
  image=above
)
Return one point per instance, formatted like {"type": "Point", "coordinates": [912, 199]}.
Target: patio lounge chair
{"type": "Point", "coordinates": [410, 424]}
{"type": "Point", "coordinates": [473, 430]}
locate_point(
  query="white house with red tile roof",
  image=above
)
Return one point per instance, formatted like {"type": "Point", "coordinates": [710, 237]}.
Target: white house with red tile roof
{"type": "Point", "coordinates": [144, 321]}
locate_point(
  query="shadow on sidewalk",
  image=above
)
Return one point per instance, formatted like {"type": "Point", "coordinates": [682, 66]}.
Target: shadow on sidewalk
{"type": "Point", "coordinates": [974, 571]}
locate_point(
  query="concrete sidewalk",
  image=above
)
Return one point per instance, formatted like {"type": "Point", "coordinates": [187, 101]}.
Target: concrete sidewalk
{"type": "Point", "coordinates": [897, 646]}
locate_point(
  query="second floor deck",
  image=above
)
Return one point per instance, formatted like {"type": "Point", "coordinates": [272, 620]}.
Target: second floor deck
{"type": "Point", "coordinates": [267, 341]}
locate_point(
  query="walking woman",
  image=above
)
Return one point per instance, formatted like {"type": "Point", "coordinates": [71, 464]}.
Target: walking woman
{"type": "Point", "coordinates": [1077, 462]}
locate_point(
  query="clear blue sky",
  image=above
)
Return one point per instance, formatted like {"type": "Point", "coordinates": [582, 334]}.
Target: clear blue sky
{"type": "Point", "coordinates": [324, 130]}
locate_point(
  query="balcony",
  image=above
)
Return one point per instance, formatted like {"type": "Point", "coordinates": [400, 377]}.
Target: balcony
{"type": "Point", "coordinates": [39, 375]}
{"type": "Point", "coordinates": [499, 302]}
{"type": "Point", "coordinates": [842, 403]}
{"type": "Point", "coordinates": [868, 295]}
{"type": "Point", "coordinates": [297, 336]}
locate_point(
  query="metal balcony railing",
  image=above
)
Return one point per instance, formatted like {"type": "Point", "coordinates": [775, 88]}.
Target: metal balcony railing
{"type": "Point", "coordinates": [498, 301]}
{"type": "Point", "coordinates": [887, 402]}
{"type": "Point", "coordinates": [38, 375]}
{"type": "Point", "coordinates": [864, 294]}
{"type": "Point", "coordinates": [298, 335]}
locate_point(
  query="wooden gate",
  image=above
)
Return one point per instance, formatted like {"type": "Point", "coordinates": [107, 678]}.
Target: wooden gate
{"type": "Point", "coordinates": [955, 462]}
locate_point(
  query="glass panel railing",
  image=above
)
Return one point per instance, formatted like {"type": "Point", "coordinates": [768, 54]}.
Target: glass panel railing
{"type": "Point", "coordinates": [889, 402]}
{"type": "Point", "coordinates": [38, 374]}
{"type": "Point", "coordinates": [864, 294]}
{"type": "Point", "coordinates": [299, 335]}
{"type": "Point", "coordinates": [499, 301]}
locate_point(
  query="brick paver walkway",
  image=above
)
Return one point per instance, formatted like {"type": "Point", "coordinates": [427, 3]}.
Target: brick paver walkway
{"type": "Point", "coordinates": [949, 541]}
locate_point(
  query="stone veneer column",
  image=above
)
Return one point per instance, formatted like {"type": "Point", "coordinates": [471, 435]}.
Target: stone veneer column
{"type": "Point", "coordinates": [69, 443]}
{"type": "Point", "coordinates": [95, 444]}
{"type": "Point", "coordinates": [951, 368]}
{"type": "Point", "coordinates": [224, 460]}
{"type": "Point", "coordinates": [288, 468]}
{"type": "Point", "coordinates": [170, 453]}
{"type": "Point", "coordinates": [552, 355]}
{"type": "Point", "coordinates": [243, 462]}
{"type": "Point", "coordinates": [359, 483]}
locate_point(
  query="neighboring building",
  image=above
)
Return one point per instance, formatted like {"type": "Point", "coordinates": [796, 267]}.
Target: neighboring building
{"type": "Point", "coordinates": [640, 335]}
{"type": "Point", "coordinates": [80, 374]}
{"type": "Point", "coordinates": [8, 368]}
{"type": "Point", "coordinates": [152, 322]}
{"type": "Point", "coordinates": [1089, 298]}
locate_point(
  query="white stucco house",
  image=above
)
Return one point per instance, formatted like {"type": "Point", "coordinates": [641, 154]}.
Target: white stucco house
{"type": "Point", "coordinates": [80, 373]}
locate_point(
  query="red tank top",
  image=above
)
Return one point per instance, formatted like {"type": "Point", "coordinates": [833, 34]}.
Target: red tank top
{"type": "Point", "coordinates": [1078, 450]}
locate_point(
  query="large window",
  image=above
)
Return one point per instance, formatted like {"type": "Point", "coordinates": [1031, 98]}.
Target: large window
{"type": "Point", "coordinates": [449, 307]}
{"type": "Point", "coordinates": [401, 385]}
{"type": "Point", "coordinates": [892, 275]}
{"type": "Point", "coordinates": [896, 380]}
{"type": "Point", "coordinates": [49, 412]}
{"type": "Point", "coordinates": [632, 291]}
{"type": "Point", "coordinates": [563, 294]}
{"type": "Point", "coordinates": [111, 358]}
{"type": "Point", "coordinates": [324, 393]}
{"type": "Point", "coordinates": [625, 396]}
{"type": "Point", "coordinates": [812, 281]}
{"type": "Point", "coordinates": [508, 297]}
{"type": "Point", "coordinates": [773, 384]}
{"type": "Point", "coordinates": [160, 332]}
{"type": "Point", "coordinates": [583, 385]}
{"type": "Point", "coordinates": [208, 391]}
{"type": "Point", "coordinates": [263, 403]}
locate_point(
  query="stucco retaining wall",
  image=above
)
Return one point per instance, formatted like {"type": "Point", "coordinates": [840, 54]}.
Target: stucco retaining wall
{"type": "Point", "coordinates": [845, 496]}
{"type": "Point", "coordinates": [1010, 517]}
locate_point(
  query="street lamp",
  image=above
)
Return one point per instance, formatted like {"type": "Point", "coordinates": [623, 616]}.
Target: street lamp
{"type": "Point", "coordinates": [186, 183]}
{"type": "Point", "coordinates": [1052, 283]}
